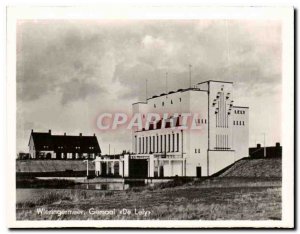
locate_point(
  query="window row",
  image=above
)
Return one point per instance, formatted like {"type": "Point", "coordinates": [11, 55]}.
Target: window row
{"type": "Point", "coordinates": [157, 144]}
{"type": "Point", "coordinates": [76, 147]}
{"type": "Point", "coordinates": [197, 151]}
{"type": "Point", "coordinates": [236, 122]}
{"type": "Point", "coordinates": [239, 112]}
{"type": "Point", "coordinates": [163, 103]}
{"type": "Point", "coordinates": [202, 121]}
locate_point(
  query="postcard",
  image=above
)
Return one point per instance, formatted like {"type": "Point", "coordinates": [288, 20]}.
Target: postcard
{"type": "Point", "coordinates": [150, 117]}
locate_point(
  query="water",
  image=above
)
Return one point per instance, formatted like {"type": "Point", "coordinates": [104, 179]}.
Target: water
{"type": "Point", "coordinates": [102, 186]}
{"type": "Point", "coordinates": [24, 194]}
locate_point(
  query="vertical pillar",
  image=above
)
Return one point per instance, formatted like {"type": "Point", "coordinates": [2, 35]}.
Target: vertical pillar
{"type": "Point", "coordinates": [113, 168]}
{"type": "Point", "coordinates": [126, 165]}
{"type": "Point", "coordinates": [151, 166]}
{"type": "Point", "coordinates": [121, 172]}
{"type": "Point", "coordinates": [107, 168]}
{"type": "Point", "coordinates": [100, 168]}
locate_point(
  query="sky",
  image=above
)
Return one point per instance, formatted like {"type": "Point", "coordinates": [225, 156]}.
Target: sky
{"type": "Point", "coordinates": [70, 71]}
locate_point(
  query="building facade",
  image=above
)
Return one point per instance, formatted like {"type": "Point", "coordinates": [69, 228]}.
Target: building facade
{"type": "Point", "coordinates": [221, 139]}
{"type": "Point", "coordinates": [44, 145]}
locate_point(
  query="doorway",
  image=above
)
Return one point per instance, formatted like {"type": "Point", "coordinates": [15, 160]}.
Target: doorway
{"type": "Point", "coordinates": [198, 172]}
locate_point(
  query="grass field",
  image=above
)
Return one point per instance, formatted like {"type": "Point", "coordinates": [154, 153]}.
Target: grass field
{"type": "Point", "coordinates": [247, 167]}
{"type": "Point", "coordinates": [216, 199]}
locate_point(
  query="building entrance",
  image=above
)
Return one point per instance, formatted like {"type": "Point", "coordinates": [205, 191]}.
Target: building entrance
{"type": "Point", "coordinates": [138, 168]}
{"type": "Point", "coordinates": [198, 171]}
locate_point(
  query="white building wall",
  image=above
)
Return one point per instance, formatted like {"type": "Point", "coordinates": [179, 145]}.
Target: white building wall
{"type": "Point", "coordinates": [219, 160]}
{"type": "Point", "coordinates": [196, 153]}
{"type": "Point", "coordinates": [241, 132]}
{"type": "Point", "coordinates": [31, 148]}
{"type": "Point", "coordinates": [216, 145]}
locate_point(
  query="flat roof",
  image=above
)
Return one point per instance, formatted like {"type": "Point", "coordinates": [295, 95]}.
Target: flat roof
{"type": "Point", "coordinates": [182, 90]}
{"type": "Point", "coordinates": [178, 91]}
{"type": "Point", "coordinates": [246, 107]}
{"type": "Point", "coordinates": [139, 103]}
{"type": "Point", "coordinates": [229, 82]}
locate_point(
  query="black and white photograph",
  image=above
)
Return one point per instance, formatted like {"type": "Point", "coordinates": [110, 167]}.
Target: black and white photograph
{"type": "Point", "coordinates": [181, 118]}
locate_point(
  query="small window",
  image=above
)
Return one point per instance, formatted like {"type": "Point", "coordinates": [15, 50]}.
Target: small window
{"type": "Point", "coordinates": [199, 151]}
{"type": "Point", "coordinates": [240, 122]}
{"type": "Point", "coordinates": [163, 104]}
{"type": "Point", "coordinates": [202, 121]}
{"type": "Point", "coordinates": [195, 151]}
{"type": "Point", "coordinates": [171, 102]}
{"type": "Point", "coordinates": [154, 106]}
{"type": "Point", "coordinates": [205, 121]}
{"type": "Point", "coordinates": [233, 122]}
{"type": "Point", "coordinates": [235, 111]}
{"type": "Point", "coordinates": [179, 99]}
{"type": "Point", "coordinates": [243, 123]}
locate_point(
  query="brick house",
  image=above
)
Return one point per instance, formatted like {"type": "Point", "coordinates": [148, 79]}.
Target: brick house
{"type": "Point", "coordinates": [44, 145]}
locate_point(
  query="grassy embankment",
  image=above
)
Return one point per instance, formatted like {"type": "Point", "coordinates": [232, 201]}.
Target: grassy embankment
{"type": "Point", "coordinates": [231, 197]}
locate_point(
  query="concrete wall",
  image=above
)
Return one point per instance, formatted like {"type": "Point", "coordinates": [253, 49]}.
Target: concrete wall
{"type": "Point", "coordinates": [213, 101]}
{"type": "Point", "coordinates": [219, 160]}
{"type": "Point", "coordinates": [241, 132]}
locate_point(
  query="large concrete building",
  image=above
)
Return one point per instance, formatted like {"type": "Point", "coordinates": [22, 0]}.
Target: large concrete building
{"type": "Point", "coordinates": [222, 137]}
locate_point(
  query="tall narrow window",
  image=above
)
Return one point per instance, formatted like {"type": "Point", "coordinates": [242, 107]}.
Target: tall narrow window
{"type": "Point", "coordinates": [161, 143]}
{"type": "Point", "coordinates": [173, 142]}
{"type": "Point", "coordinates": [150, 144]}
{"type": "Point", "coordinates": [177, 138]}
{"type": "Point", "coordinates": [153, 142]}
{"type": "Point", "coordinates": [165, 143]}
{"type": "Point", "coordinates": [157, 142]}
{"type": "Point", "coordinates": [135, 144]}
{"type": "Point", "coordinates": [169, 141]}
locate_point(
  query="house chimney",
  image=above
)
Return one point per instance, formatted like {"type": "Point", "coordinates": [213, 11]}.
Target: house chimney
{"type": "Point", "coordinates": [50, 131]}
{"type": "Point", "coordinates": [80, 134]}
{"type": "Point", "coordinates": [258, 146]}
{"type": "Point", "coordinates": [94, 134]}
{"type": "Point", "coordinates": [277, 144]}
{"type": "Point", "coordinates": [65, 134]}
{"type": "Point", "coordinates": [31, 130]}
